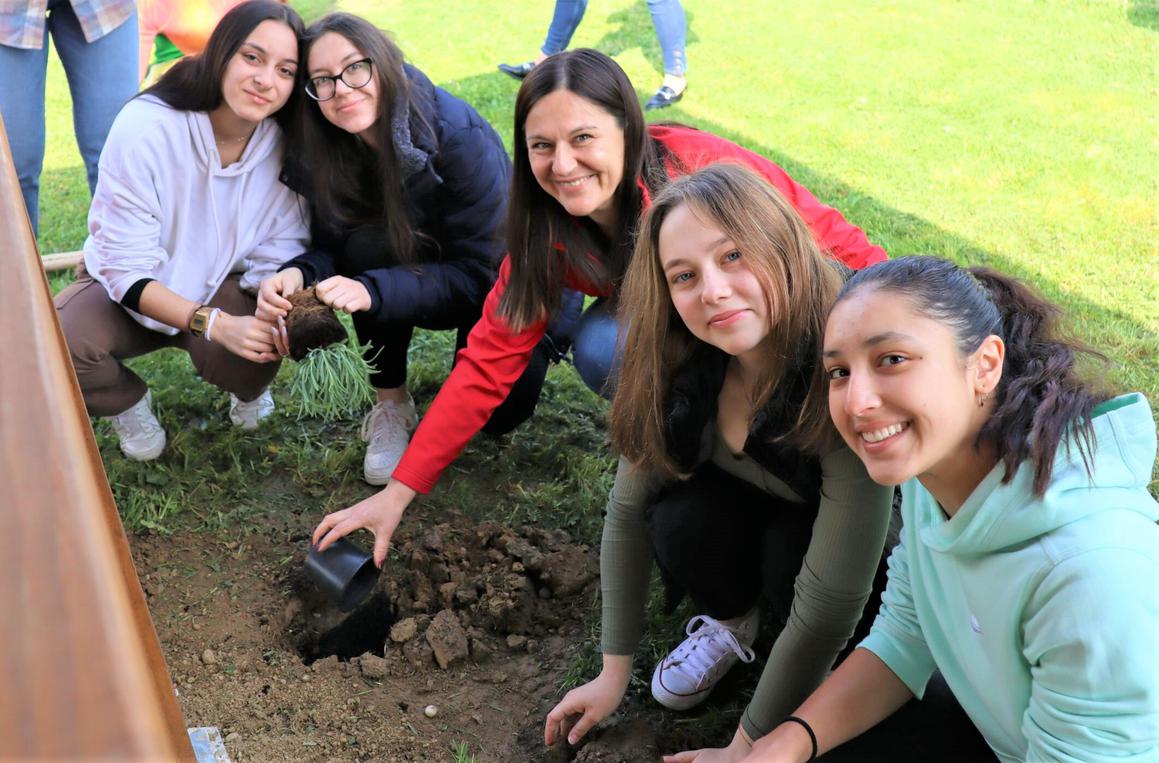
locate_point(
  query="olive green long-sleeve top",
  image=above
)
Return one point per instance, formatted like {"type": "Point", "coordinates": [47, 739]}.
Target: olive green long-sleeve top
{"type": "Point", "coordinates": [829, 593]}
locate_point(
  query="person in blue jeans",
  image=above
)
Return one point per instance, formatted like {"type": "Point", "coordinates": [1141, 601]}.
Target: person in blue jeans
{"type": "Point", "coordinates": [97, 45]}
{"type": "Point", "coordinates": [667, 17]}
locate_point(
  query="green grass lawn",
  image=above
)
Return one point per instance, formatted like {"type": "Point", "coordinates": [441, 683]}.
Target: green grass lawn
{"type": "Point", "coordinates": [1021, 135]}
{"type": "Point", "coordinates": [1016, 134]}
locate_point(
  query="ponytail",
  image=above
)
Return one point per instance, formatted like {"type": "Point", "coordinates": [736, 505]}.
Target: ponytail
{"type": "Point", "coordinates": [1041, 395]}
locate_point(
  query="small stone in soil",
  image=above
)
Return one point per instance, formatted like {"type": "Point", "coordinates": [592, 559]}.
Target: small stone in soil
{"type": "Point", "coordinates": [404, 630]}
{"type": "Point", "coordinates": [372, 666]}
{"type": "Point", "coordinates": [208, 657]}
{"type": "Point", "coordinates": [430, 711]}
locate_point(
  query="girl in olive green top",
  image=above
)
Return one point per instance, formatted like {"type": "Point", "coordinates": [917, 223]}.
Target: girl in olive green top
{"type": "Point", "coordinates": [731, 474]}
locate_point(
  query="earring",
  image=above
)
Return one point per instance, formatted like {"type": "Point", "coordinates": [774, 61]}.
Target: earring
{"type": "Point", "coordinates": [983, 398]}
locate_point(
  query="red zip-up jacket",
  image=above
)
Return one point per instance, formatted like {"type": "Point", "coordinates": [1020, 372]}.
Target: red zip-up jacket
{"type": "Point", "coordinates": [496, 356]}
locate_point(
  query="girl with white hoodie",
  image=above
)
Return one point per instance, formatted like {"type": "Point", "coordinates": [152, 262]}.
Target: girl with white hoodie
{"type": "Point", "coordinates": [188, 217]}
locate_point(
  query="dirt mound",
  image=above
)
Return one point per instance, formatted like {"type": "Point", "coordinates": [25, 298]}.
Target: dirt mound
{"type": "Point", "coordinates": [254, 649]}
{"type": "Point", "coordinates": [450, 594]}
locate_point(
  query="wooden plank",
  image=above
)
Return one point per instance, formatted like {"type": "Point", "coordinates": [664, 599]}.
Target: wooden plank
{"type": "Point", "coordinates": [61, 260]}
{"type": "Point", "coordinates": [83, 674]}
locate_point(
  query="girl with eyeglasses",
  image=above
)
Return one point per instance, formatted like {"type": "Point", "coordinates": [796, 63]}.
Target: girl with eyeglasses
{"type": "Point", "coordinates": [407, 188]}
{"type": "Point", "coordinates": [188, 217]}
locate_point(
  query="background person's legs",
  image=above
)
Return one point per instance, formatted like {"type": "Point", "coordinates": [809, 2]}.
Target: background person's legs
{"type": "Point", "coordinates": [668, 18]}
{"type": "Point", "coordinates": [22, 107]}
{"type": "Point", "coordinates": [102, 77]}
{"type": "Point", "coordinates": [565, 19]}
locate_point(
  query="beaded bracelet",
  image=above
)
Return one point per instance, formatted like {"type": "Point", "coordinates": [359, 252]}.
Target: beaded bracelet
{"type": "Point", "coordinates": [808, 729]}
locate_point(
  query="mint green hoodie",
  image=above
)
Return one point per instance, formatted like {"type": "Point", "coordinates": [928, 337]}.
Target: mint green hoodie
{"type": "Point", "coordinates": [1042, 614]}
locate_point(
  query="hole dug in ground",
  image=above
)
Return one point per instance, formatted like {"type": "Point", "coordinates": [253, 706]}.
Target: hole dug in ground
{"type": "Point", "coordinates": [447, 595]}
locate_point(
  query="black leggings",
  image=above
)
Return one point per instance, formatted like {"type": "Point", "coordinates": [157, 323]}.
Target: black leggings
{"type": "Point", "coordinates": [390, 342]}
{"type": "Point", "coordinates": [722, 542]}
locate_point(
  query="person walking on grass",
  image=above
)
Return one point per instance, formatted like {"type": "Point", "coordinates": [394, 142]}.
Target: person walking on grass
{"type": "Point", "coordinates": [586, 166]}
{"type": "Point", "coordinates": [1029, 550]}
{"type": "Point", "coordinates": [189, 216]}
{"type": "Point", "coordinates": [669, 22]}
{"type": "Point", "coordinates": [731, 475]}
{"type": "Point", "coordinates": [407, 186]}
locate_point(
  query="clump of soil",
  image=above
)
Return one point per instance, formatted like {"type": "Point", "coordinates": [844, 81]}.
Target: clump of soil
{"type": "Point", "coordinates": [451, 594]}
{"type": "Point", "coordinates": [310, 324]}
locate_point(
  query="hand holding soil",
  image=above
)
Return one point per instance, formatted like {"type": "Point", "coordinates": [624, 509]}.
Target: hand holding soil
{"type": "Point", "coordinates": [342, 293]}
{"type": "Point", "coordinates": [592, 702]}
{"type": "Point", "coordinates": [310, 324]}
{"type": "Point", "coordinates": [245, 336]}
{"type": "Point", "coordinates": [380, 513]}
{"type": "Point", "coordinates": [274, 293]}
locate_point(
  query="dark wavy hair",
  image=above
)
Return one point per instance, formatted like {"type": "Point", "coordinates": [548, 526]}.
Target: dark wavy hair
{"type": "Point", "coordinates": [194, 83]}
{"type": "Point", "coordinates": [544, 241]}
{"type": "Point", "coordinates": [351, 184]}
{"type": "Point", "coordinates": [1041, 396]}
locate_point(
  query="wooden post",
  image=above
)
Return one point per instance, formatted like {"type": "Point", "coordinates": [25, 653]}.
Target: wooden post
{"type": "Point", "coordinates": [81, 673]}
{"type": "Point", "coordinates": [61, 260]}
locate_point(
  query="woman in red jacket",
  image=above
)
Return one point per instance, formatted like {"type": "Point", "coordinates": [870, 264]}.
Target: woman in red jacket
{"type": "Point", "coordinates": [585, 167]}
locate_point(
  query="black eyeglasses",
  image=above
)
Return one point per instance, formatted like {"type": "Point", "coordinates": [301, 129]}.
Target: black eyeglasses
{"type": "Point", "coordinates": [355, 75]}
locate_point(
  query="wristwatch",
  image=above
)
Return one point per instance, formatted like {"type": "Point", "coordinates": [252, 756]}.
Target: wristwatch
{"type": "Point", "coordinates": [199, 321]}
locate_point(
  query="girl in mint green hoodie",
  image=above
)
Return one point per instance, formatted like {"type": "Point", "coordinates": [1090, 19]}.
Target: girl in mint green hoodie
{"type": "Point", "coordinates": [1028, 568]}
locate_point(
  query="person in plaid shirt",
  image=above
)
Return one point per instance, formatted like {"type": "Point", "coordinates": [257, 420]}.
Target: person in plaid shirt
{"type": "Point", "coordinates": [96, 41]}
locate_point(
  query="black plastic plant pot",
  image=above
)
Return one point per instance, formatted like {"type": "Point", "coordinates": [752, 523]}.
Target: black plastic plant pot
{"type": "Point", "coordinates": [344, 572]}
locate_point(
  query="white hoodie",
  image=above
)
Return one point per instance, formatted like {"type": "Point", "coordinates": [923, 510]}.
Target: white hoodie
{"type": "Point", "coordinates": [164, 207]}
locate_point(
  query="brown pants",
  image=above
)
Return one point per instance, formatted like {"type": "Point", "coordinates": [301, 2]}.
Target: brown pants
{"type": "Point", "coordinates": [101, 334]}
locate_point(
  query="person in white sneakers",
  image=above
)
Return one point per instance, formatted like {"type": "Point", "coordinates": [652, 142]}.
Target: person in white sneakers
{"type": "Point", "coordinates": [408, 188]}
{"type": "Point", "coordinates": [188, 217]}
{"type": "Point", "coordinates": [731, 474]}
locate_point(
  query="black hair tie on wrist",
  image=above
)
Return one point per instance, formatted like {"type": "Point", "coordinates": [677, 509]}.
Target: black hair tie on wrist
{"type": "Point", "coordinates": [808, 729]}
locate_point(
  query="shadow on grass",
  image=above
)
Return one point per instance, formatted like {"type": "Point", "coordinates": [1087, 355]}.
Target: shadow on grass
{"type": "Point", "coordinates": [1144, 13]}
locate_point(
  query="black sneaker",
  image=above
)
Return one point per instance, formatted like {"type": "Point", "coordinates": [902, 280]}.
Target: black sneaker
{"type": "Point", "coordinates": [518, 71]}
{"type": "Point", "coordinates": [664, 98]}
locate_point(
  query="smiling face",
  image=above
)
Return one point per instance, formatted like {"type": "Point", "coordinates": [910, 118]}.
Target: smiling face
{"type": "Point", "coordinates": [576, 151]}
{"type": "Point", "coordinates": [903, 397]}
{"type": "Point", "coordinates": [260, 76]}
{"type": "Point", "coordinates": [354, 110]}
{"type": "Point", "coordinates": [712, 287]}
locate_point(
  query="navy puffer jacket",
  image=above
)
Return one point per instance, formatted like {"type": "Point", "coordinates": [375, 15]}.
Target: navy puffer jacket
{"type": "Point", "coordinates": [457, 196]}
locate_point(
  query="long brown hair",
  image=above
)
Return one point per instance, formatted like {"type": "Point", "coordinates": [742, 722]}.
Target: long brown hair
{"type": "Point", "coordinates": [1042, 397]}
{"type": "Point", "coordinates": [342, 172]}
{"type": "Point", "coordinates": [799, 284]}
{"type": "Point", "coordinates": [544, 241]}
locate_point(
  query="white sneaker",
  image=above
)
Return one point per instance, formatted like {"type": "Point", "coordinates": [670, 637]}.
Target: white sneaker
{"type": "Point", "coordinates": [386, 431]}
{"type": "Point", "coordinates": [249, 415]}
{"type": "Point", "coordinates": [684, 678]}
{"type": "Point", "coordinates": [139, 431]}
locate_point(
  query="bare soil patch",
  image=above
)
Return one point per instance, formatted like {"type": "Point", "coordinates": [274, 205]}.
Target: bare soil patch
{"type": "Point", "coordinates": [475, 620]}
